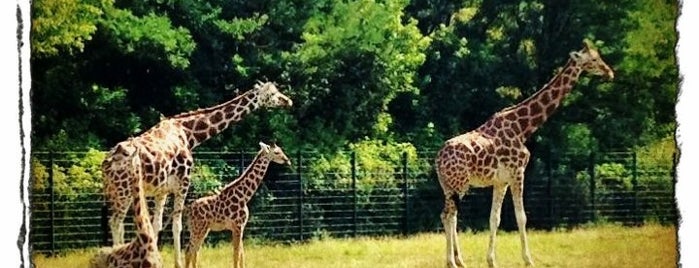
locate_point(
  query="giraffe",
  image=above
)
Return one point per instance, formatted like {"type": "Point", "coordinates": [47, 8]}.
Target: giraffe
{"type": "Point", "coordinates": [228, 209]}
{"type": "Point", "coordinates": [143, 250]}
{"type": "Point", "coordinates": [494, 154]}
{"type": "Point", "coordinates": [167, 157]}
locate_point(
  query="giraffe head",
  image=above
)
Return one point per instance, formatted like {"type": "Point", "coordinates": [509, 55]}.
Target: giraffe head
{"type": "Point", "coordinates": [269, 96]}
{"type": "Point", "coordinates": [274, 153]}
{"type": "Point", "coordinates": [590, 61]}
{"type": "Point", "coordinates": [122, 150]}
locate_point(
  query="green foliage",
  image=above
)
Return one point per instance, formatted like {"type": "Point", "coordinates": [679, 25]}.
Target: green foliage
{"type": "Point", "coordinates": [354, 60]}
{"type": "Point", "coordinates": [206, 179]}
{"type": "Point", "coordinates": [75, 175]}
{"type": "Point", "coordinates": [417, 71]}
{"type": "Point", "coordinates": [613, 175]}
{"type": "Point", "coordinates": [658, 155]}
{"type": "Point", "coordinates": [377, 163]}
{"type": "Point", "coordinates": [578, 139]}
{"type": "Point", "coordinates": [239, 28]}
{"type": "Point", "coordinates": [149, 36]}
{"type": "Point", "coordinates": [64, 25]}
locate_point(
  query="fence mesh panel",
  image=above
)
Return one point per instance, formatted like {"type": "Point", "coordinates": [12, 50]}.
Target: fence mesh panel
{"type": "Point", "coordinates": [294, 203]}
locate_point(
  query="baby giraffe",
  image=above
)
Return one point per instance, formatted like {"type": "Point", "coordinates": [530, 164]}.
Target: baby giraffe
{"type": "Point", "coordinates": [142, 252]}
{"type": "Point", "coordinates": [228, 209]}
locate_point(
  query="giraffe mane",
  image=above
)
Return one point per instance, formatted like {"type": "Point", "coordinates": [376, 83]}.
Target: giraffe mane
{"type": "Point", "coordinates": [536, 94]}
{"type": "Point", "coordinates": [245, 172]}
{"type": "Point", "coordinates": [207, 109]}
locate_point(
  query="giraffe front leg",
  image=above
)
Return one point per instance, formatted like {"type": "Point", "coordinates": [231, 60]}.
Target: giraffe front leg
{"type": "Point", "coordinates": [517, 199]}
{"type": "Point", "coordinates": [498, 195]}
{"type": "Point", "coordinates": [238, 253]}
{"type": "Point", "coordinates": [177, 228]}
{"type": "Point", "coordinates": [119, 208]}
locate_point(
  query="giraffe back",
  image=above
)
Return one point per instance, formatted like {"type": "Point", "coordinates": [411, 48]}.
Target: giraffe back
{"type": "Point", "coordinates": [165, 159]}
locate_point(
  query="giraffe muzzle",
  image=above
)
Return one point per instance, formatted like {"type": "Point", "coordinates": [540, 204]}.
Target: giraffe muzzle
{"type": "Point", "coordinates": [609, 75]}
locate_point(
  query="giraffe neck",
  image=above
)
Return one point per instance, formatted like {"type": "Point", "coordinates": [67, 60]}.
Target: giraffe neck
{"type": "Point", "coordinates": [144, 229]}
{"type": "Point", "coordinates": [246, 185]}
{"type": "Point", "coordinates": [527, 116]}
{"type": "Point", "coordinates": [202, 124]}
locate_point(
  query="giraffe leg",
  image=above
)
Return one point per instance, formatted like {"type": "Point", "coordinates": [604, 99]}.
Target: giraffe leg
{"type": "Point", "coordinates": [119, 207]}
{"type": "Point", "coordinates": [448, 217]}
{"type": "Point", "coordinates": [498, 195]}
{"type": "Point", "coordinates": [517, 198]}
{"type": "Point", "coordinates": [238, 251]}
{"type": "Point", "coordinates": [197, 234]}
{"type": "Point", "coordinates": [457, 249]}
{"type": "Point", "coordinates": [177, 227]}
{"type": "Point", "coordinates": [158, 214]}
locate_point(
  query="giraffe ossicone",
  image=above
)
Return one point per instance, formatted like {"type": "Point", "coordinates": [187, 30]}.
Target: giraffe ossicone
{"type": "Point", "coordinates": [228, 210]}
{"type": "Point", "coordinates": [167, 158]}
{"type": "Point", "coordinates": [494, 154]}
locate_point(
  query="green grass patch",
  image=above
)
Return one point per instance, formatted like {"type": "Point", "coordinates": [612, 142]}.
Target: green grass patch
{"type": "Point", "coordinates": [592, 246]}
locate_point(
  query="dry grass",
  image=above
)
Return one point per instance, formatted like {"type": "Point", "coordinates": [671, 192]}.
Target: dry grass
{"type": "Point", "coordinates": [601, 246]}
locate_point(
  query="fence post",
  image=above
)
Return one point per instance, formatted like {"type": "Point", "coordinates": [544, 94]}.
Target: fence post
{"type": "Point", "coordinates": [353, 163]}
{"type": "Point", "coordinates": [549, 190]}
{"type": "Point", "coordinates": [105, 225]}
{"type": "Point", "coordinates": [300, 194]}
{"type": "Point", "coordinates": [241, 161]}
{"type": "Point", "coordinates": [52, 207]}
{"type": "Point", "coordinates": [593, 209]}
{"type": "Point", "coordinates": [634, 184]}
{"type": "Point", "coordinates": [405, 193]}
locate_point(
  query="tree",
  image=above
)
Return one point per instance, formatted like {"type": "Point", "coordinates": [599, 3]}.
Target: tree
{"type": "Point", "coordinates": [85, 96]}
{"type": "Point", "coordinates": [354, 60]}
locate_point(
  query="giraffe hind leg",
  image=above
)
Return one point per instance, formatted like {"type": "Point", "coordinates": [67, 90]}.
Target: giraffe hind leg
{"type": "Point", "coordinates": [457, 249]}
{"type": "Point", "coordinates": [448, 217]}
{"type": "Point", "coordinates": [517, 199]}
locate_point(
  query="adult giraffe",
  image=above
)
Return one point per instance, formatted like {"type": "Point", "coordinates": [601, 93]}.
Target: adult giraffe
{"type": "Point", "coordinates": [494, 153]}
{"type": "Point", "coordinates": [143, 249]}
{"type": "Point", "coordinates": [167, 157]}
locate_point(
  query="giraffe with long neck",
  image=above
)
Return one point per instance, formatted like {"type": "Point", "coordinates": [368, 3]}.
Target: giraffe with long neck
{"type": "Point", "coordinates": [228, 210]}
{"type": "Point", "coordinates": [495, 154]}
{"type": "Point", "coordinates": [143, 249]}
{"type": "Point", "coordinates": [167, 157]}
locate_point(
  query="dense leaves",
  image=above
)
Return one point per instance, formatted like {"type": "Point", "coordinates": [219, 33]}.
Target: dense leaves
{"type": "Point", "coordinates": [366, 70]}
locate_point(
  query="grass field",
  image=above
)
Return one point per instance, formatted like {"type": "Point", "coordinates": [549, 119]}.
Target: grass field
{"type": "Point", "coordinates": [599, 246]}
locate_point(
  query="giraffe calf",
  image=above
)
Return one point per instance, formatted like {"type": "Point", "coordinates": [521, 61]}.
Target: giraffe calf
{"type": "Point", "coordinates": [228, 210]}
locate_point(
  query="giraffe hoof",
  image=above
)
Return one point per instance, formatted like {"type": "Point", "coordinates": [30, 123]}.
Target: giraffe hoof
{"type": "Point", "coordinates": [455, 265]}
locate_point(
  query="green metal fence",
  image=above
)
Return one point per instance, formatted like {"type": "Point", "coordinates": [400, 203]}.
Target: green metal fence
{"type": "Point", "coordinates": [68, 211]}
